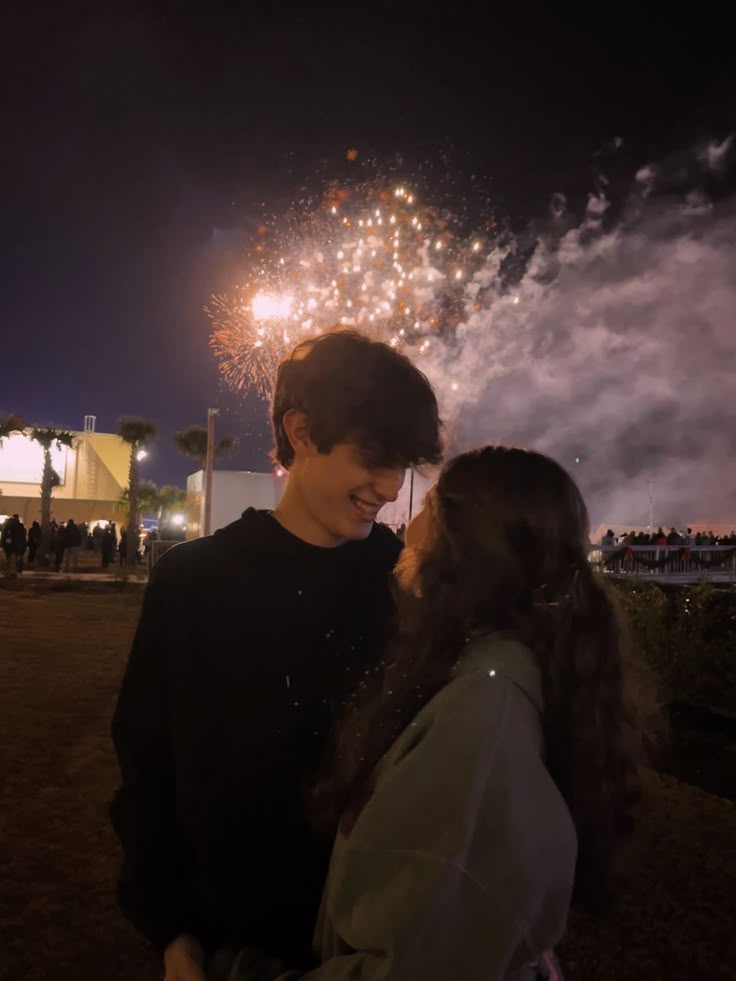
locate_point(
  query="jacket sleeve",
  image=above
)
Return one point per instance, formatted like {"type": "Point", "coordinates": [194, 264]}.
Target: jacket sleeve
{"type": "Point", "coordinates": [143, 814]}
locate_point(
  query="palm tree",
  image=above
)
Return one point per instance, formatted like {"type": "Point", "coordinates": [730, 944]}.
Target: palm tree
{"type": "Point", "coordinates": [148, 498]}
{"type": "Point", "coordinates": [154, 500]}
{"type": "Point", "coordinates": [46, 437]}
{"type": "Point", "coordinates": [192, 442]}
{"type": "Point", "coordinates": [9, 425]}
{"type": "Point", "coordinates": [170, 499]}
{"type": "Point", "coordinates": [137, 433]}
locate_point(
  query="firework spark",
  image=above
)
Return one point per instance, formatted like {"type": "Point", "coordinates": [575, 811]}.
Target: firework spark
{"type": "Point", "coordinates": [238, 341]}
{"type": "Point", "coordinates": [372, 258]}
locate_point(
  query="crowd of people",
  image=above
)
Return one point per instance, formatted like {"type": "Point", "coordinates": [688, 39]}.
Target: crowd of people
{"type": "Point", "coordinates": [69, 540]}
{"type": "Point", "coordinates": [66, 543]}
{"type": "Point", "coordinates": [672, 539]}
{"type": "Point", "coordinates": [343, 759]}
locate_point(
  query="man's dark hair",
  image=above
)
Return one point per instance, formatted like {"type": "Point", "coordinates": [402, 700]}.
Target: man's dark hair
{"type": "Point", "coordinates": [352, 388]}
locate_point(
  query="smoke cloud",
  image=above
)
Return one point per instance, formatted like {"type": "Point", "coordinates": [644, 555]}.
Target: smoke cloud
{"type": "Point", "coordinates": [614, 352]}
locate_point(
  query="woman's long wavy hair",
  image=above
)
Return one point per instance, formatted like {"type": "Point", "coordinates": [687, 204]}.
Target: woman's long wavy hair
{"type": "Point", "coordinates": [506, 550]}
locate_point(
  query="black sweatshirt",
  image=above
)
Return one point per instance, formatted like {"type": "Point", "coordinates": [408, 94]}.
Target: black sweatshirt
{"type": "Point", "coordinates": [248, 643]}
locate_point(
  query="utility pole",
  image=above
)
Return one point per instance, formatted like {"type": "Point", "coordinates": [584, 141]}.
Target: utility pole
{"type": "Point", "coordinates": [650, 486]}
{"type": "Point", "coordinates": [208, 469]}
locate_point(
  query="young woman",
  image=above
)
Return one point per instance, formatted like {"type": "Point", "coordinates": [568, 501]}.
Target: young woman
{"type": "Point", "coordinates": [487, 780]}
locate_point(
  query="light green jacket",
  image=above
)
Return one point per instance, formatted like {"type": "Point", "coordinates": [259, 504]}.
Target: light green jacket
{"type": "Point", "coordinates": [461, 865]}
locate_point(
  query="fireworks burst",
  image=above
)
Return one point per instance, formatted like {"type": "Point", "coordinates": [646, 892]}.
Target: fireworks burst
{"type": "Point", "coordinates": [246, 352]}
{"type": "Point", "coordinates": [373, 258]}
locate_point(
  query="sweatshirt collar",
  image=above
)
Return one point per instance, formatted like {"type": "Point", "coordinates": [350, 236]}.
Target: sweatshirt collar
{"type": "Point", "coordinates": [505, 656]}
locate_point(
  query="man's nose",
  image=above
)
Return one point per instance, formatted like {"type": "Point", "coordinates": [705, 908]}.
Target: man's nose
{"type": "Point", "coordinates": [388, 483]}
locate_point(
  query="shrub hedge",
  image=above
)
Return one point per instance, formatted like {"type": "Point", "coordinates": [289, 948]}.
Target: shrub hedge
{"type": "Point", "coordinates": [687, 636]}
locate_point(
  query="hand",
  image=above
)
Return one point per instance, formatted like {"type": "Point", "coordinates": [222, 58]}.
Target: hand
{"type": "Point", "coordinates": [184, 960]}
{"type": "Point", "coordinates": [253, 965]}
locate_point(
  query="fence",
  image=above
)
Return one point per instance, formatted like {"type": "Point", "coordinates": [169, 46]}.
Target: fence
{"type": "Point", "coordinates": [660, 563]}
{"type": "Point", "coordinates": [668, 563]}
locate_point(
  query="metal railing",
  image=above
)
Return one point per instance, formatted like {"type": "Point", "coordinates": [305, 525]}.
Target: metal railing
{"type": "Point", "coordinates": [662, 563]}
{"type": "Point", "coordinates": [667, 563]}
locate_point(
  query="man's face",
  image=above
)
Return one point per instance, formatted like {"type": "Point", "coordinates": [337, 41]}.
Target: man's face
{"type": "Point", "coordinates": [342, 492]}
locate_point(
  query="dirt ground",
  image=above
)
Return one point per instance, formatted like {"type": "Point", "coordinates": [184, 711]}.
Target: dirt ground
{"type": "Point", "coordinates": [61, 658]}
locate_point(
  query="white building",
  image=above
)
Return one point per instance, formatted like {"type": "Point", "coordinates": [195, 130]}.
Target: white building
{"type": "Point", "coordinates": [233, 491]}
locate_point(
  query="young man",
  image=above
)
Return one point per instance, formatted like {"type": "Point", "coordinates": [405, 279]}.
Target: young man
{"type": "Point", "coordinates": [248, 642]}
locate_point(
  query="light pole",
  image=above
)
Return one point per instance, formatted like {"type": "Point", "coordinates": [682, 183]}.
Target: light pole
{"type": "Point", "coordinates": [650, 486]}
{"type": "Point", "coordinates": [208, 468]}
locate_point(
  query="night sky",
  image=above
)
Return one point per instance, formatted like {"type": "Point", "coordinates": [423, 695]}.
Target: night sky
{"type": "Point", "coordinates": [143, 143]}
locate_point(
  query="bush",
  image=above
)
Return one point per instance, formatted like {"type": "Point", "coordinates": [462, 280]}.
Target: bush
{"type": "Point", "coordinates": [687, 636]}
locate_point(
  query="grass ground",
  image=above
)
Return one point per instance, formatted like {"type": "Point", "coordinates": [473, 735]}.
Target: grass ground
{"type": "Point", "coordinates": [61, 658]}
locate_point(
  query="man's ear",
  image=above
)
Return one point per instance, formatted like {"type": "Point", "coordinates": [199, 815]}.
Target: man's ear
{"type": "Point", "coordinates": [296, 427]}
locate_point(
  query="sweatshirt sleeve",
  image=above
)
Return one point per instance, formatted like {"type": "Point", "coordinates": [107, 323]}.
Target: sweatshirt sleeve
{"type": "Point", "coordinates": [418, 917]}
{"type": "Point", "coordinates": [150, 892]}
{"type": "Point", "coordinates": [406, 900]}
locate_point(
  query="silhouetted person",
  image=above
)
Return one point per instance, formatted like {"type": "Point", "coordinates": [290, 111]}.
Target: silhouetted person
{"type": "Point", "coordinates": [59, 547]}
{"type": "Point", "coordinates": [53, 540]}
{"type": "Point", "coordinates": [7, 536]}
{"type": "Point", "coordinates": [107, 546]}
{"type": "Point", "coordinates": [98, 533]}
{"type": "Point", "coordinates": [150, 539]}
{"type": "Point", "coordinates": [73, 546]}
{"type": "Point", "coordinates": [34, 542]}
{"type": "Point", "coordinates": [84, 535]}
{"type": "Point", "coordinates": [123, 546]}
{"type": "Point", "coordinates": [15, 542]}
{"type": "Point", "coordinates": [674, 539]}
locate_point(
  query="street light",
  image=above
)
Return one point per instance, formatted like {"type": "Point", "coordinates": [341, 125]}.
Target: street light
{"type": "Point", "coordinates": [208, 468]}
{"type": "Point", "coordinates": [141, 455]}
